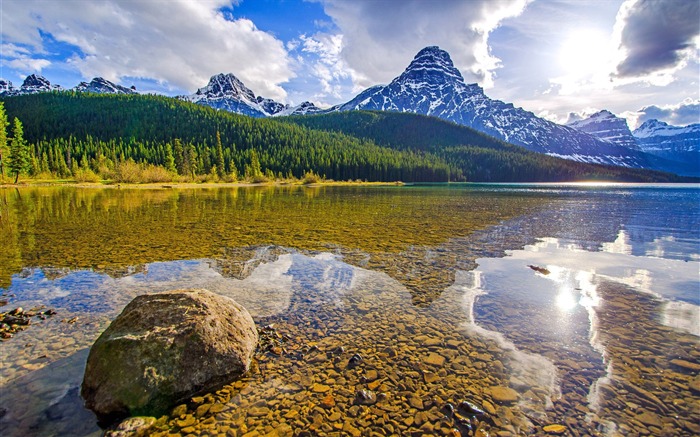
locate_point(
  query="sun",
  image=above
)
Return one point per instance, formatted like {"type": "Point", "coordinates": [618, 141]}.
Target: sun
{"type": "Point", "coordinates": [584, 52]}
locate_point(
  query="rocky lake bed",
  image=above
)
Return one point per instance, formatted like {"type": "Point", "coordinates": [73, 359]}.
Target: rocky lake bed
{"type": "Point", "coordinates": [525, 326]}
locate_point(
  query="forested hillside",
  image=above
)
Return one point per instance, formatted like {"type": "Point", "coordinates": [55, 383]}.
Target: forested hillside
{"type": "Point", "coordinates": [74, 134]}
{"type": "Point", "coordinates": [71, 130]}
{"type": "Point", "coordinates": [478, 156]}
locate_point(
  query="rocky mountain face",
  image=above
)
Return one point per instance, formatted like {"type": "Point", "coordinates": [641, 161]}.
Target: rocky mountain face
{"type": "Point", "coordinates": [103, 86]}
{"type": "Point", "coordinates": [431, 85]}
{"type": "Point", "coordinates": [671, 142]}
{"type": "Point", "coordinates": [33, 84]}
{"type": "Point", "coordinates": [39, 84]}
{"type": "Point", "coordinates": [227, 92]}
{"type": "Point", "coordinates": [306, 108]}
{"type": "Point", "coordinates": [607, 126]}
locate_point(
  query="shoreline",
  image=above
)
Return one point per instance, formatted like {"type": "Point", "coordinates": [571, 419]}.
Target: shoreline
{"type": "Point", "coordinates": [191, 185]}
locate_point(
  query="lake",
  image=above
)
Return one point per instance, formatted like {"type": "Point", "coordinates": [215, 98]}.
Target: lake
{"type": "Point", "coordinates": [567, 309]}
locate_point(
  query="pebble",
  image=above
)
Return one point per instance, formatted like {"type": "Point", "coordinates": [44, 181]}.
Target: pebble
{"type": "Point", "coordinates": [503, 395]}
{"type": "Point", "coordinates": [434, 359]}
{"type": "Point", "coordinates": [555, 429]}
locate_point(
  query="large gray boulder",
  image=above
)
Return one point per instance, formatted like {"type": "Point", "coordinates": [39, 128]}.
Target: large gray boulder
{"type": "Point", "coordinates": [164, 348]}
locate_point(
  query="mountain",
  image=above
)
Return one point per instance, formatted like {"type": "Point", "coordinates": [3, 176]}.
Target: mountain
{"type": "Point", "coordinates": [306, 108]}
{"type": "Point", "coordinates": [671, 142]}
{"type": "Point", "coordinates": [6, 86]}
{"type": "Point", "coordinates": [607, 126]}
{"type": "Point", "coordinates": [477, 156]}
{"type": "Point", "coordinates": [431, 85]}
{"type": "Point", "coordinates": [33, 84]}
{"type": "Point", "coordinates": [103, 86]}
{"type": "Point", "coordinates": [227, 92]}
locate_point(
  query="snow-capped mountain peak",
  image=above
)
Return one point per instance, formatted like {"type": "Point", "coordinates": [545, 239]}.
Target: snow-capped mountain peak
{"type": "Point", "coordinates": [432, 85]}
{"type": "Point", "coordinates": [6, 86]}
{"type": "Point", "coordinates": [656, 128]}
{"type": "Point", "coordinates": [227, 92]}
{"type": "Point", "coordinates": [608, 127]}
{"type": "Point", "coordinates": [305, 108]}
{"type": "Point", "coordinates": [678, 143]}
{"type": "Point", "coordinates": [103, 86]}
{"type": "Point", "coordinates": [35, 83]}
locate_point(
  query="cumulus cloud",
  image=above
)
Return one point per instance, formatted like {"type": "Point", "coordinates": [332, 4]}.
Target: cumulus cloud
{"type": "Point", "coordinates": [328, 67]}
{"type": "Point", "coordinates": [21, 59]}
{"type": "Point", "coordinates": [657, 36]}
{"type": "Point", "coordinates": [180, 43]}
{"type": "Point", "coordinates": [381, 37]}
{"type": "Point", "coordinates": [684, 113]}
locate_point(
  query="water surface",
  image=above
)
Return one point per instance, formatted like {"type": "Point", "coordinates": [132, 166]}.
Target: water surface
{"type": "Point", "coordinates": [433, 285]}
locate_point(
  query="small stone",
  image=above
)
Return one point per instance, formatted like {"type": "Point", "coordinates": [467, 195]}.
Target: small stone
{"type": "Point", "coordinates": [504, 395]}
{"type": "Point", "coordinates": [258, 411]}
{"type": "Point", "coordinates": [179, 410]}
{"type": "Point", "coordinates": [374, 384]}
{"type": "Point", "coordinates": [416, 402]}
{"type": "Point", "coordinates": [434, 359]}
{"type": "Point", "coordinates": [470, 409]}
{"type": "Point", "coordinates": [348, 428]}
{"type": "Point", "coordinates": [555, 429]}
{"type": "Point", "coordinates": [488, 406]}
{"type": "Point", "coordinates": [202, 410]}
{"type": "Point", "coordinates": [355, 360]}
{"type": "Point", "coordinates": [430, 377]}
{"type": "Point", "coordinates": [328, 402]}
{"type": "Point", "coordinates": [216, 408]}
{"type": "Point", "coordinates": [694, 385]}
{"type": "Point", "coordinates": [371, 375]}
{"type": "Point", "coordinates": [187, 421]}
{"type": "Point", "coordinates": [650, 419]}
{"type": "Point", "coordinates": [320, 388]}
{"type": "Point", "coordinates": [365, 397]}
{"type": "Point", "coordinates": [132, 427]}
{"type": "Point", "coordinates": [687, 365]}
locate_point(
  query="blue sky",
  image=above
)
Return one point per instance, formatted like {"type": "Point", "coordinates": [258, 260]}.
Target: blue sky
{"type": "Point", "coordinates": [557, 58]}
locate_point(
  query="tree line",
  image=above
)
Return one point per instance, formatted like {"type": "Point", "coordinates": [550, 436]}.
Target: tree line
{"type": "Point", "coordinates": [80, 134]}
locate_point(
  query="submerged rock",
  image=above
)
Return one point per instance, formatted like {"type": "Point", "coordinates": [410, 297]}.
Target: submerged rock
{"type": "Point", "coordinates": [165, 347]}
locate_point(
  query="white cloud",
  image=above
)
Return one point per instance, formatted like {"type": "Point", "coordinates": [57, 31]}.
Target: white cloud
{"type": "Point", "coordinates": [328, 66]}
{"type": "Point", "coordinates": [381, 37]}
{"type": "Point", "coordinates": [680, 114]}
{"type": "Point", "coordinates": [180, 43]}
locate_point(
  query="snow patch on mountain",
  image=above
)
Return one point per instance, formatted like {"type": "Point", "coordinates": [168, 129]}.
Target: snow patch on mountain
{"type": "Point", "coordinates": [431, 85]}
{"type": "Point", "coordinates": [608, 127]}
{"type": "Point", "coordinates": [103, 86]}
{"type": "Point", "coordinates": [677, 143]}
{"type": "Point", "coordinates": [227, 92]}
{"type": "Point", "coordinates": [306, 108]}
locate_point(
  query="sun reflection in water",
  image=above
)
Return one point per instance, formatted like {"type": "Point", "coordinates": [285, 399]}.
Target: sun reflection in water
{"type": "Point", "coordinates": [566, 300]}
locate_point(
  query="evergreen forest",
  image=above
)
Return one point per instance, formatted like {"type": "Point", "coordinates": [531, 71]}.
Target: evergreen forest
{"type": "Point", "coordinates": [88, 136]}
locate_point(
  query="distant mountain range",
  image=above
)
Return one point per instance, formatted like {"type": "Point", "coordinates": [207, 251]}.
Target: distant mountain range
{"type": "Point", "coordinates": [675, 143]}
{"type": "Point", "coordinates": [431, 85]}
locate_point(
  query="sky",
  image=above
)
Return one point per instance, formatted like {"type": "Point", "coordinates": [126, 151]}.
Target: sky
{"type": "Point", "coordinates": [560, 59]}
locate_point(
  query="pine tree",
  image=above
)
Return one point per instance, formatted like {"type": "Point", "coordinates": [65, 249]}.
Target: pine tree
{"type": "Point", "coordinates": [3, 139]}
{"type": "Point", "coordinates": [19, 151]}
{"type": "Point", "coordinates": [220, 156]}
{"type": "Point", "coordinates": [170, 159]}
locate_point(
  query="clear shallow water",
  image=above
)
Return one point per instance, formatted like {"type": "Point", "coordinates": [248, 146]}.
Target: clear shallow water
{"type": "Point", "coordinates": [397, 274]}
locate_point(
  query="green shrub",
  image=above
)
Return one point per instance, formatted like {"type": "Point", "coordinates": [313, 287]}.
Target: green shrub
{"type": "Point", "coordinates": [311, 178]}
{"type": "Point", "coordinates": [85, 175]}
{"type": "Point", "coordinates": [156, 173]}
{"type": "Point", "coordinates": [127, 172]}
